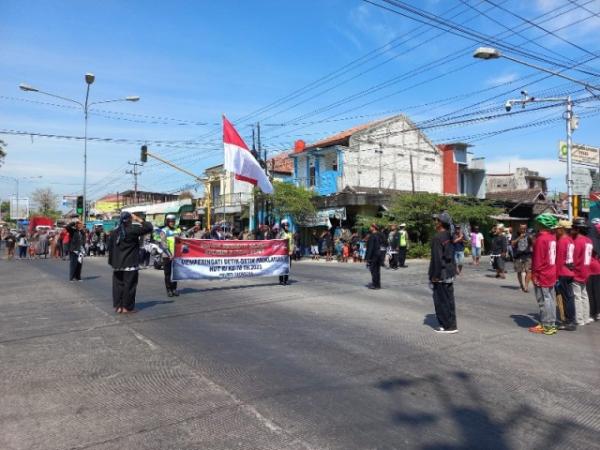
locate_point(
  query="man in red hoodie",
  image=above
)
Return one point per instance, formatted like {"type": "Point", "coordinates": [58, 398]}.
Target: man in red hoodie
{"type": "Point", "coordinates": [582, 259]}
{"type": "Point", "coordinates": [544, 274]}
{"type": "Point", "coordinates": [565, 248]}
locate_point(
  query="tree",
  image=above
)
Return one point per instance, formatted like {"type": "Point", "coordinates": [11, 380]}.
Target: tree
{"type": "Point", "coordinates": [290, 200]}
{"type": "Point", "coordinates": [185, 195]}
{"type": "Point", "coordinates": [46, 200]}
{"type": "Point", "coordinates": [2, 151]}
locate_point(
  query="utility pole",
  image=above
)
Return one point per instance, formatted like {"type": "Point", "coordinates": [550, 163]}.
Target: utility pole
{"type": "Point", "coordinates": [380, 151]}
{"type": "Point", "coordinates": [135, 174]}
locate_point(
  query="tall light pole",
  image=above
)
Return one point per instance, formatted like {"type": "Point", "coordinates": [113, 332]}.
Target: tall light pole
{"type": "Point", "coordinates": [89, 80]}
{"type": "Point", "coordinates": [487, 53]}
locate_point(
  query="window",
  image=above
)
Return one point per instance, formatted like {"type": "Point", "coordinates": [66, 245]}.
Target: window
{"type": "Point", "coordinates": [334, 165]}
{"type": "Point", "coordinates": [311, 181]}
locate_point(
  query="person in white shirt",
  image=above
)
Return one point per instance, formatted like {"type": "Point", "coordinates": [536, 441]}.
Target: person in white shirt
{"type": "Point", "coordinates": [476, 245]}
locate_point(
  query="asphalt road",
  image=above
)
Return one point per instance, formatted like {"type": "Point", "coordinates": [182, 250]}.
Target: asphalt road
{"type": "Point", "coordinates": [321, 364]}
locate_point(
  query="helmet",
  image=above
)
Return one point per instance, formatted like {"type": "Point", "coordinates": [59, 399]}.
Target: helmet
{"type": "Point", "coordinates": [284, 222]}
{"type": "Point", "coordinates": [547, 221]}
{"type": "Point", "coordinates": [170, 218]}
{"type": "Point", "coordinates": [579, 222]}
{"type": "Point", "coordinates": [596, 221]}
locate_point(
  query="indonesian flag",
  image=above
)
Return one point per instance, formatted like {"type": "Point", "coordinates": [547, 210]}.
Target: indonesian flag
{"type": "Point", "coordinates": [239, 160]}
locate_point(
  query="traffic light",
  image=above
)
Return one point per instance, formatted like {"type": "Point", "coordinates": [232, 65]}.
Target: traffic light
{"type": "Point", "coordinates": [144, 154]}
{"type": "Point", "coordinates": [79, 207]}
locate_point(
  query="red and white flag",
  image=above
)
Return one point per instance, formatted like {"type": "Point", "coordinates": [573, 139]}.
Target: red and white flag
{"type": "Point", "coordinates": [240, 161]}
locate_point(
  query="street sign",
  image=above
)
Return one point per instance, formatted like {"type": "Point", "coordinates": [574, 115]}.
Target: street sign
{"type": "Point", "coordinates": [580, 154]}
{"type": "Point", "coordinates": [20, 210]}
{"type": "Point", "coordinates": [582, 181]}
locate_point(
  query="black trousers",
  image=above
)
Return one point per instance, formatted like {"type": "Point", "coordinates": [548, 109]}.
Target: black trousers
{"type": "Point", "coordinates": [402, 256]}
{"type": "Point", "coordinates": [168, 267]}
{"type": "Point", "coordinates": [74, 266]}
{"type": "Point", "coordinates": [284, 278]}
{"type": "Point", "coordinates": [394, 260]}
{"type": "Point", "coordinates": [443, 301]}
{"type": "Point", "coordinates": [593, 289]}
{"type": "Point", "coordinates": [124, 287]}
{"type": "Point", "coordinates": [565, 289]}
{"type": "Point", "coordinates": [375, 268]}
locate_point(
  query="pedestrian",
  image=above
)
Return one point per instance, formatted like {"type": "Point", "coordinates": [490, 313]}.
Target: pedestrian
{"type": "Point", "coordinates": [522, 250]}
{"type": "Point", "coordinates": [402, 246]}
{"type": "Point", "coordinates": [167, 237]}
{"type": "Point", "coordinates": [287, 235]}
{"type": "Point", "coordinates": [314, 245]}
{"type": "Point", "coordinates": [123, 257]}
{"type": "Point", "coordinates": [196, 232]}
{"type": "Point", "coordinates": [11, 242]}
{"type": "Point", "coordinates": [498, 251]}
{"type": "Point", "coordinates": [373, 256]}
{"type": "Point", "coordinates": [582, 258]}
{"type": "Point", "coordinates": [458, 242]}
{"type": "Point", "coordinates": [327, 245]}
{"type": "Point", "coordinates": [593, 284]}
{"type": "Point", "coordinates": [76, 249]}
{"type": "Point", "coordinates": [394, 247]}
{"type": "Point", "coordinates": [441, 274]}
{"type": "Point", "coordinates": [565, 248]}
{"type": "Point", "coordinates": [544, 274]}
{"type": "Point", "coordinates": [476, 245]}
{"type": "Point", "coordinates": [22, 244]}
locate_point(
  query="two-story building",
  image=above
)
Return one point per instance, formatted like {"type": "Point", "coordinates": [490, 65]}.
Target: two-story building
{"type": "Point", "coordinates": [463, 174]}
{"type": "Point", "coordinates": [357, 170]}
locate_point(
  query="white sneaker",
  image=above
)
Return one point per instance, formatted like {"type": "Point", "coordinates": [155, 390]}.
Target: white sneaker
{"type": "Point", "coordinates": [597, 316]}
{"type": "Point", "coordinates": [444, 331]}
{"type": "Point", "coordinates": [589, 320]}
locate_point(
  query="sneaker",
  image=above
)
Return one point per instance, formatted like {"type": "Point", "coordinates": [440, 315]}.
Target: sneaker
{"type": "Point", "coordinates": [570, 327]}
{"type": "Point", "coordinates": [537, 329]}
{"type": "Point", "coordinates": [169, 293]}
{"type": "Point", "coordinates": [175, 292]}
{"type": "Point", "coordinates": [589, 320]}
{"type": "Point", "coordinates": [549, 330]}
{"type": "Point", "coordinates": [597, 316]}
{"type": "Point", "coordinates": [444, 331]}
{"type": "Point", "coordinates": [439, 329]}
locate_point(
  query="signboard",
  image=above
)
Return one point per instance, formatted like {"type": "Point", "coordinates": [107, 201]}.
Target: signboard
{"type": "Point", "coordinates": [321, 218]}
{"type": "Point", "coordinates": [207, 259]}
{"type": "Point", "coordinates": [580, 154]}
{"type": "Point", "coordinates": [20, 210]}
{"type": "Point", "coordinates": [582, 181]}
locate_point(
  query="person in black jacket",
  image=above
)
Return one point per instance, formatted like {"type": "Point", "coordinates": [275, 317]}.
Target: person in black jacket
{"type": "Point", "coordinates": [441, 274]}
{"type": "Point", "coordinates": [373, 256]}
{"type": "Point", "coordinates": [123, 256]}
{"type": "Point", "coordinates": [76, 249]}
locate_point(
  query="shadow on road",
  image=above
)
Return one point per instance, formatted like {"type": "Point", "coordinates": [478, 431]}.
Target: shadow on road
{"type": "Point", "coordinates": [145, 305]}
{"type": "Point", "coordinates": [512, 288]}
{"type": "Point", "coordinates": [189, 290]}
{"type": "Point", "coordinates": [93, 277]}
{"type": "Point", "coordinates": [524, 321]}
{"type": "Point", "coordinates": [459, 416]}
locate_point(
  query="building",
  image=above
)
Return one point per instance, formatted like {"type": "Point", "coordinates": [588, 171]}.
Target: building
{"type": "Point", "coordinates": [111, 204]}
{"type": "Point", "coordinates": [463, 174]}
{"type": "Point", "coordinates": [281, 167]}
{"type": "Point", "coordinates": [357, 170]}
{"type": "Point", "coordinates": [522, 179]}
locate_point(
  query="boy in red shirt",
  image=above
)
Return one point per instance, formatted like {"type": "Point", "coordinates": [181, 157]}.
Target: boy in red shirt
{"type": "Point", "coordinates": [544, 273]}
{"type": "Point", "coordinates": [565, 248]}
{"type": "Point", "coordinates": [582, 259]}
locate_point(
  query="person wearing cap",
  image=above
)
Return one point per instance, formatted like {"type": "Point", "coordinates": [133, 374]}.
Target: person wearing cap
{"type": "Point", "coordinates": [521, 246]}
{"type": "Point", "coordinates": [498, 251]}
{"type": "Point", "coordinates": [286, 234]}
{"type": "Point", "coordinates": [402, 245]}
{"type": "Point", "coordinates": [167, 237]}
{"type": "Point", "coordinates": [374, 255]}
{"type": "Point", "coordinates": [123, 257]}
{"type": "Point", "coordinates": [543, 273]}
{"type": "Point", "coordinates": [565, 248]}
{"type": "Point", "coordinates": [582, 258]}
{"type": "Point", "coordinates": [441, 274]}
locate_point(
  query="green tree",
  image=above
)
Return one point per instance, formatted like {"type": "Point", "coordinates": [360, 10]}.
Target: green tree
{"type": "Point", "coordinates": [5, 208]}
{"type": "Point", "coordinates": [290, 200]}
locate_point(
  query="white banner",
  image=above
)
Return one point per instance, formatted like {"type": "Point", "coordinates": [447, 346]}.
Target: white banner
{"type": "Point", "coordinates": [205, 259]}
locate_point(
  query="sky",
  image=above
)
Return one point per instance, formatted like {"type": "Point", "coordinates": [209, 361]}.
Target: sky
{"type": "Point", "coordinates": [304, 70]}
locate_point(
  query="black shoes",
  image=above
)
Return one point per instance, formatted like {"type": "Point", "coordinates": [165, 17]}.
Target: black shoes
{"type": "Point", "coordinates": [371, 286]}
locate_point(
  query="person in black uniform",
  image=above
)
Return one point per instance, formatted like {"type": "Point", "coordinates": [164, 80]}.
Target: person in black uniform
{"type": "Point", "coordinates": [123, 256]}
{"type": "Point", "coordinates": [76, 248]}
{"type": "Point", "coordinates": [441, 274]}
{"type": "Point", "coordinates": [373, 256]}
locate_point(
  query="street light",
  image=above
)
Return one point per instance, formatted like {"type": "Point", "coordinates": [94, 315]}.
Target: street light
{"type": "Point", "coordinates": [89, 80]}
{"type": "Point", "coordinates": [487, 53]}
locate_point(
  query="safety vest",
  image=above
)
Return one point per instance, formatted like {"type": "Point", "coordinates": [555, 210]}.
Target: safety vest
{"type": "Point", "coordinates": [170, 238]}
{"type": "Point", "coordinates": [403, 238]}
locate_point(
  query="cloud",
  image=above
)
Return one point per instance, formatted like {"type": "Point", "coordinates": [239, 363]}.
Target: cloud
{"type": "Point", "coordinates": [501, 79]}
{"type": "Point", "coordinates": [365, 21]}
{"type": "Point", "coordinates": [586, 26]}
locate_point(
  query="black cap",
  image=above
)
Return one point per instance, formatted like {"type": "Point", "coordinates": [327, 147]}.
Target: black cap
{"type": "Point", "coordinates": [444, 218]}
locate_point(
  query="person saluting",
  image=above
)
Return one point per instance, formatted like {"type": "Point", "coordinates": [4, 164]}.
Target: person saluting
{"type": "Point", "coordinates": [123, 257]}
